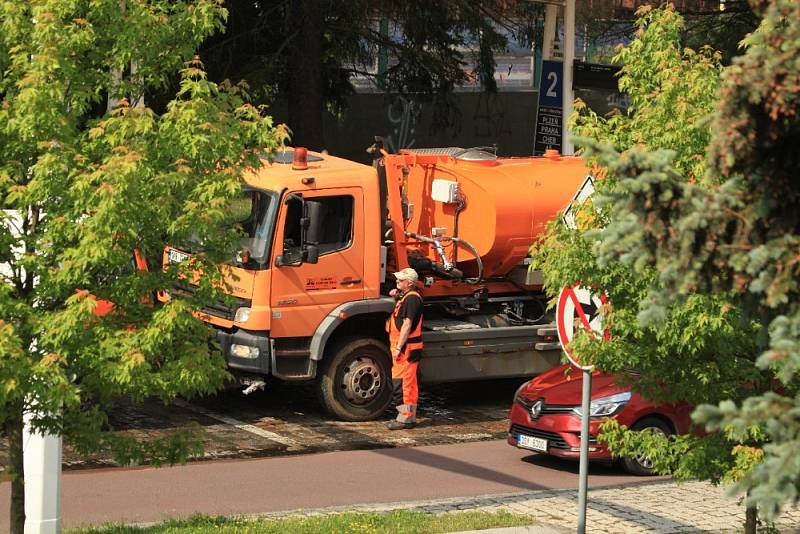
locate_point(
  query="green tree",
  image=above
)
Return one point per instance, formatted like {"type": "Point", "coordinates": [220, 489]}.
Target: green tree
{"type": "Point", "coordinates": [81, 189]}
{"type": "Point", "coordinates": [678, 316]}
{"type": "Point", "coordinates": [721, 24]}
{"type": "Point", "coordinates": [306, 51]}
{"type": "Point", "coordinates": [737, 236]}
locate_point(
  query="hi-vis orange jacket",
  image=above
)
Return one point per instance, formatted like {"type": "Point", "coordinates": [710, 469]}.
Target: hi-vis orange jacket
{"type": "Point", "coordinates": [414, 341]}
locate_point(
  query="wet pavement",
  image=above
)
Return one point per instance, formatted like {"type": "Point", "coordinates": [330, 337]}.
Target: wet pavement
{"type": "Point", "coordinates": [286, 419]}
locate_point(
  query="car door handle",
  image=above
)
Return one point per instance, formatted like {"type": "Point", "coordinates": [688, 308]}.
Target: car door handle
{"type": "Point", "coordinates": [347, 281]}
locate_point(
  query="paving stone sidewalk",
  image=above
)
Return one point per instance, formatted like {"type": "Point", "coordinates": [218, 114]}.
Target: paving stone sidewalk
{"type": "Point", "coordinates": [663, 507]}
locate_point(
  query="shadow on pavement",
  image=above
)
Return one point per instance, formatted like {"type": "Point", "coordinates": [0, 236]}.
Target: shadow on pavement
{"type": "Point", "coordinates": [438, 461]}
{"type": "Point", "coordinates": [642, 518]}
{"type": "Point", "coordinates": [572, 466]}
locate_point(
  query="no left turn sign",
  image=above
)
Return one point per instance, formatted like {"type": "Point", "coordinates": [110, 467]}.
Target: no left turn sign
{"type": "Point", "coordinates": [579, 307]}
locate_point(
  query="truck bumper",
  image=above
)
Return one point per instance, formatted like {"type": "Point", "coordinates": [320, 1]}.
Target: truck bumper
{"type": "Point", "coordinates": [257, 361]}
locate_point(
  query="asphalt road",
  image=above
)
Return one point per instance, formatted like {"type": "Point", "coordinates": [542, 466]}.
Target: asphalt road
{"type": "Point", "coordinates": [340, 478]}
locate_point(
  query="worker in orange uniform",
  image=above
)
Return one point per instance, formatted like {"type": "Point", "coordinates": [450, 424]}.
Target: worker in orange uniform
{"type": "Point", "coordinates": [405, 341]}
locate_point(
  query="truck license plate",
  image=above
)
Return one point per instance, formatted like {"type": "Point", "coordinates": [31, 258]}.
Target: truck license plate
{"type": "Point", "coordinates": [176, 256]}
{"type": "Point", "coordinates": [532, 443]}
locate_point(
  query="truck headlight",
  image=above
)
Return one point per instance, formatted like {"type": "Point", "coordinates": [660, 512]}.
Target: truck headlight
{"type": "Point", "coordinates": [244, 351]}
{"type": "Point", "coordinates": [606, 406]}
{"type": "Point", "coordinates": [242, 315]}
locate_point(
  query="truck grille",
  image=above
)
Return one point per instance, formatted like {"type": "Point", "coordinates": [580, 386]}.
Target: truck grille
{"type": "Point", "coordinates": [224, 308]}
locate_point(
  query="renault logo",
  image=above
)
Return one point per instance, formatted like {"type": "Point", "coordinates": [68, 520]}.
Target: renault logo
{"type": "Point", "coordinates": [536, 409]}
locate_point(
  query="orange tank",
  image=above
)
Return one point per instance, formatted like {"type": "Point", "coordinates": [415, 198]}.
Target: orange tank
{"type": "Point", "coordinates": [500, 205]}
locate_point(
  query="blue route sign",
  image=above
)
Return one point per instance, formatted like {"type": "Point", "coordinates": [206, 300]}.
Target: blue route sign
{"type": "Point", "coordinates": [549, 125]}
{"type": "Point", "coordinates": [551, 88]}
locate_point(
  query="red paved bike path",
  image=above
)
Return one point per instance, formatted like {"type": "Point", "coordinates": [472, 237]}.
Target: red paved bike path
{"type": "Point", "coordinates": [342, 478]}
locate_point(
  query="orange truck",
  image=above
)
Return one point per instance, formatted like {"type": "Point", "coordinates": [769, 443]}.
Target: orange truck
{"type": "Point", "coordinates": [323, 235]}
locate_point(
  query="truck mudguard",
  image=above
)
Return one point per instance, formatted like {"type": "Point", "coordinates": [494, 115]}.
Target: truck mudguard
{"type": "Point", "coordinates": [334, 319]}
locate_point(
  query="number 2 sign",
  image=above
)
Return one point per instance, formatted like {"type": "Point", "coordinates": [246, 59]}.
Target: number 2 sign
{"type": "Point", "coordinates": [551, 88]}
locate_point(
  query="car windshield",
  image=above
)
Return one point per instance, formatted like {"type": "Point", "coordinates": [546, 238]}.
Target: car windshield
{"type": "Point", "coordinates": [254, 212]}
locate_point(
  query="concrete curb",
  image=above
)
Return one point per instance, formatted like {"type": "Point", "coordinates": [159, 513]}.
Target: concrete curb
{"type": "Point", "coordinates": [532, 529]}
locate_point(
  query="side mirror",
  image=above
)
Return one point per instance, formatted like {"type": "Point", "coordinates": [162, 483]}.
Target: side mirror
{"type": "Point", "coordinates": [312, 216]}
{"type": "Point", "coordinates": [311, 254]}
{"type": "Point", "coordinates": [313, 219]}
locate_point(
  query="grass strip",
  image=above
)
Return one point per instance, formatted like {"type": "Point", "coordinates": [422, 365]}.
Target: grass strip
{"type": "Point", "coordinates": [396, 522]}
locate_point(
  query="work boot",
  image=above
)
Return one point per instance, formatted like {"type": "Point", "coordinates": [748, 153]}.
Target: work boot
{"type": "Point", "coordinates": [399, 425]}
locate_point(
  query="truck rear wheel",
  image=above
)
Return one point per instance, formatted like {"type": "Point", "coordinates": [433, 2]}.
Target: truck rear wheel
{"type": "Point", "coordinates": [356, 380]}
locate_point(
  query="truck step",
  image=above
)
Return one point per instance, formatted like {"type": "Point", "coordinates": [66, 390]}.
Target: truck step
{"type": "Point", "coordinates": [292, 353]}
{"type": "Point", "coordinates": [547, 346]}
{"type": "Point", "coordinates": [547, 330]}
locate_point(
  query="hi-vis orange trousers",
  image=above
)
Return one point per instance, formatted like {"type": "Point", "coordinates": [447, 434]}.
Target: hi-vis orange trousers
{"type": "Point", "coordinates": [404, 375]}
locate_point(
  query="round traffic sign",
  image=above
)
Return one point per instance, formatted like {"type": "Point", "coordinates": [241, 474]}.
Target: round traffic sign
{"type": "Point", "coordinates": [579, 307]}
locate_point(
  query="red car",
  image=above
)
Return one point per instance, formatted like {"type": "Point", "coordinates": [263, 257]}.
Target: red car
{"type": "Point", "coordinates": [545, 416]}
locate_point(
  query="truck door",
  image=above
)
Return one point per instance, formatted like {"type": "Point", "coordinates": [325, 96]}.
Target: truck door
{"type": "Point", "coordinates": [304, 293]}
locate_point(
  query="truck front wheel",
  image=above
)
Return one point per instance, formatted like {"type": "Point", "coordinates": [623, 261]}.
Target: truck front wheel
{"type": "Point", "coordinates": [355, 383]}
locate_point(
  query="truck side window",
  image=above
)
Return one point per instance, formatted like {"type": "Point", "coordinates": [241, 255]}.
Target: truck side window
{"type": "Point", "coordinates": [337, 223]}
{"type": "Point", "coordinates": [291, 230]}
{"type": "Point", "coordinates": [337, 227]}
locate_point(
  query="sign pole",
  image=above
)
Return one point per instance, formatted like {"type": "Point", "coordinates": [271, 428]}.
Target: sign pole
{"type": "Point", "coordinates": [581, 308]}
{"type": "Point", "coordinates": [583, 470]}
{"type": "Point", "coordinates": [550, 16]}
{"type": "Point", "coordinates": [42, 464]}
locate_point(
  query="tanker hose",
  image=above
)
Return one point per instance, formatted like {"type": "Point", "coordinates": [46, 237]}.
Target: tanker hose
{"type": "Point", "coordinates": [420, 237]}
{"type": "Point", "coordinates": [458, 209]}
{"type": "Point", "coordinates": [476, 280]}
{"type": "Point", "coordinates": [446, 264]}
{"type": "Point", "coordinates": [425, 264]}
{"type": "Point", "coordinates": [452, 272]}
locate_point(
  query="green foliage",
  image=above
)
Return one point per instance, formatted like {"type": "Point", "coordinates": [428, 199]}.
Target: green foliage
{"type": "Point", "coordinates": [729, 236]}
{"type": "Point", "coordinates": [84, 188]}
{"type": "Point", "coordinates": [684, 457]}
{"type": "Point", "coordinates": [692, 235]}
{"type": "Point", "coordinates": [398, 522]}
{"type": "Point", "coordinates": [688, 457]}
{"type": "Point", "coordinates": [699, 348]}
{"type": "Point", "coordinates": [672, 91]}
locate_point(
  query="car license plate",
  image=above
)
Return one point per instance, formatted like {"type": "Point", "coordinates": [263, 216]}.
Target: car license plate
{"type": "Point", "coordinates": [532, 443]}
{"type": "Point", "coordinates": [176, 256]}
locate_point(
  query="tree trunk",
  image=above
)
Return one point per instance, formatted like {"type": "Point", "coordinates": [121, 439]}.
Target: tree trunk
{"type": "Point", "coordinates": [750, 520]}
{"type": "Point", "coordinates": [13, 429]}
{"type": "Point", "coordinates": [306, 80]}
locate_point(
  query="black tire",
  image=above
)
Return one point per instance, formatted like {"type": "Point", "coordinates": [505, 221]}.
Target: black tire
{"type": "Point", "coordinates": [641, 465]}
{"type": "Point", "coordinates": [355, 380]}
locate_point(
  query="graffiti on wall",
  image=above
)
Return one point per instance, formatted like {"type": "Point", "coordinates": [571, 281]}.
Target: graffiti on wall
{"type": "Point", "coordinates": [489, 118]}
{"type": "Point", "coordinates": [619, 101]}
{"type": "Point", "coordinates": [403, 115]}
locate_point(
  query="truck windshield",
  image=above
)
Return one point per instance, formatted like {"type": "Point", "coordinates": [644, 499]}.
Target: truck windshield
{"type": "Point", "coordinates": [254, 212]}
